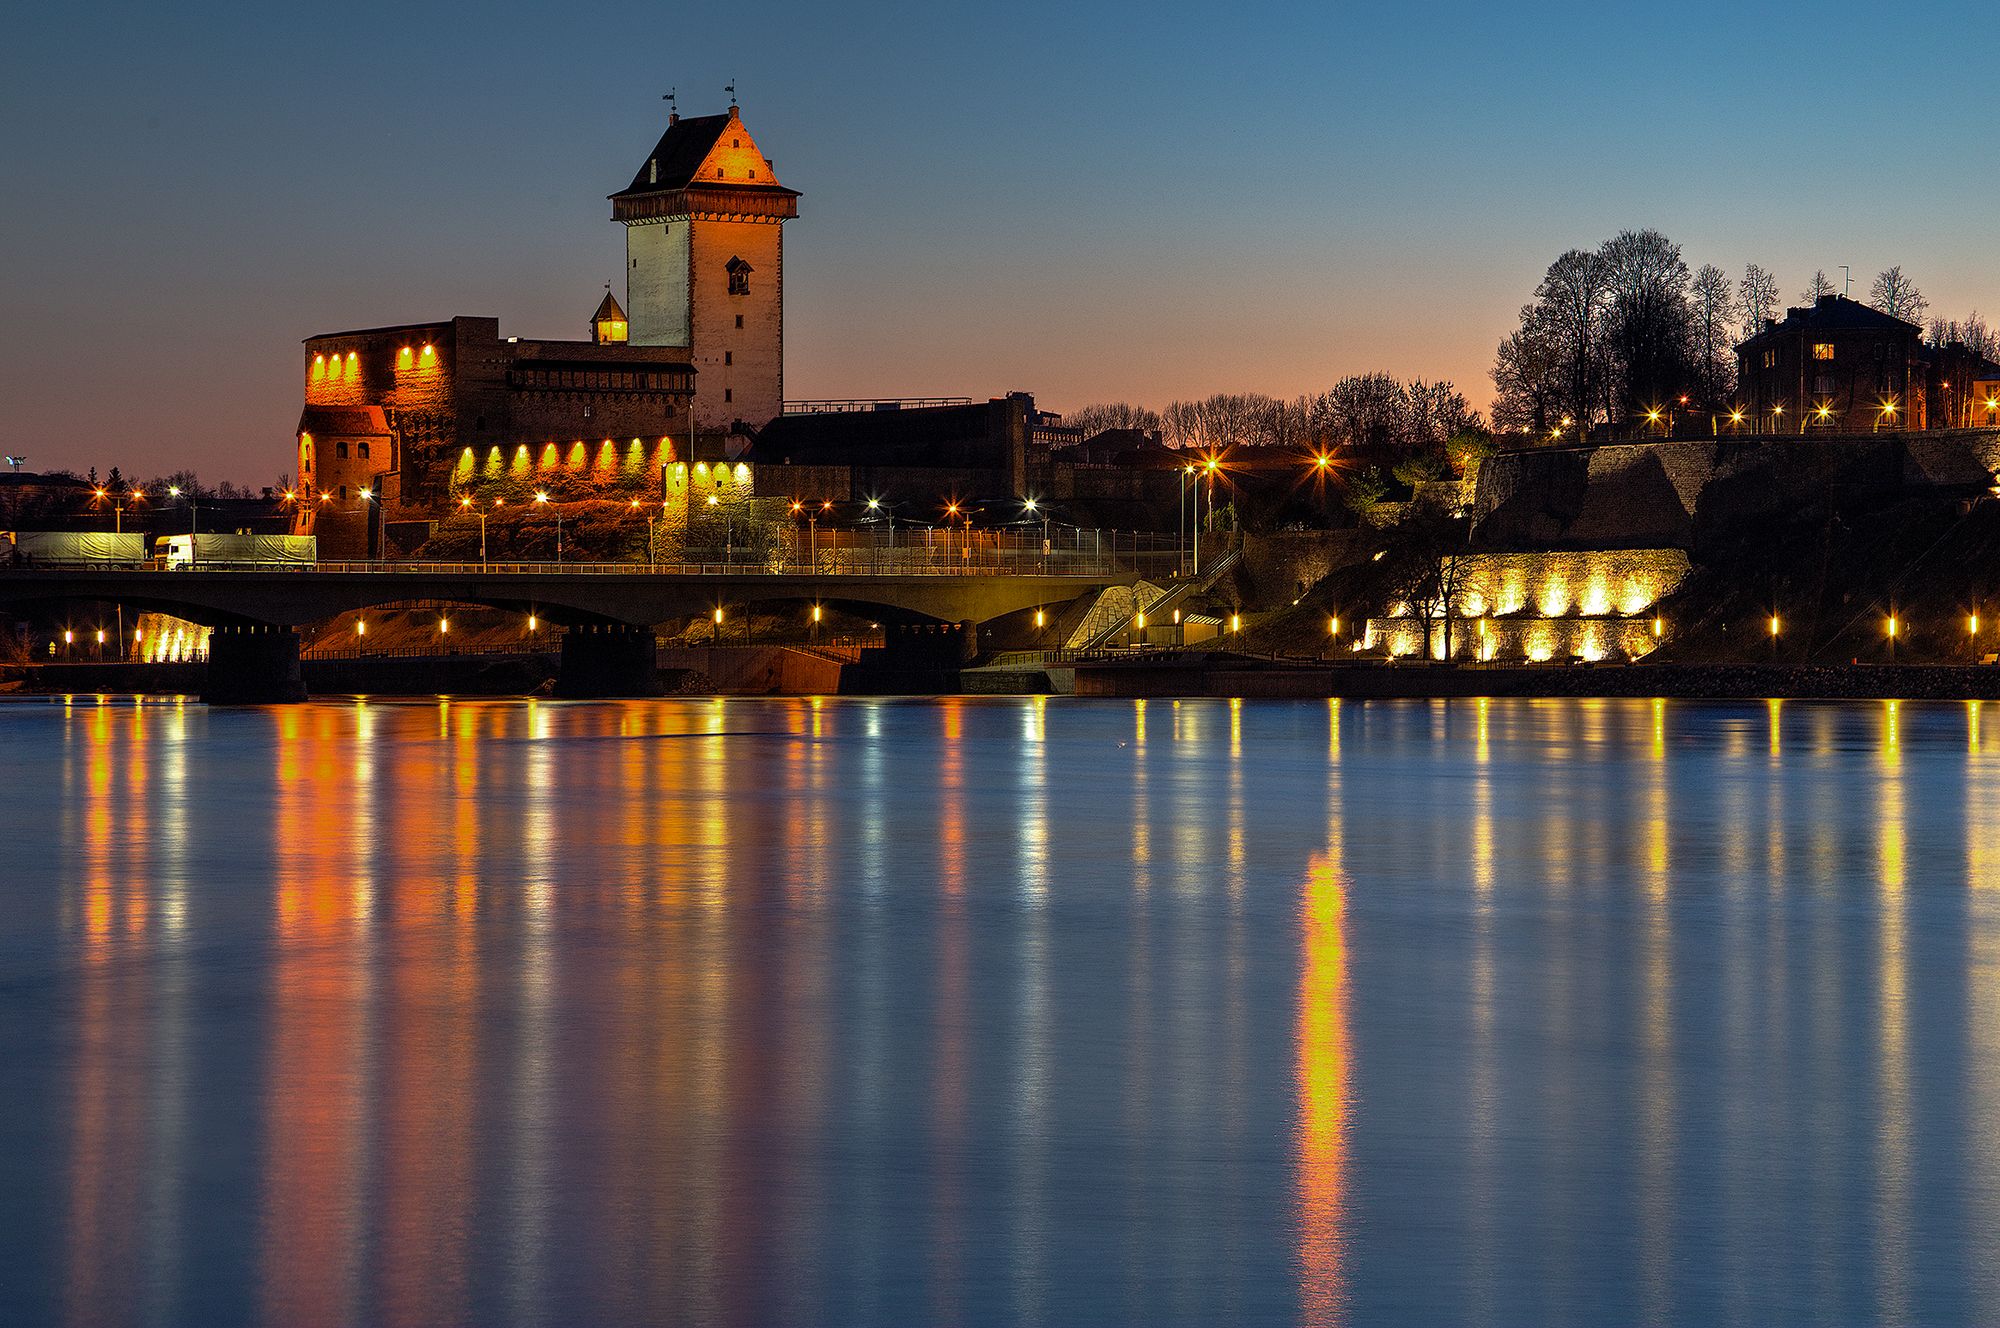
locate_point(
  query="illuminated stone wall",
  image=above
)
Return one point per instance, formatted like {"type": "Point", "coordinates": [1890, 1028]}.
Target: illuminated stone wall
{"type": "Point", "coordinates": [1593, 584]}
{"type": "Point", "coordinates": [1587, 604]}
{"type": "Point", "coordinates": [1536, 639]}
{"type": "Point", "coordinates": [161, 639]}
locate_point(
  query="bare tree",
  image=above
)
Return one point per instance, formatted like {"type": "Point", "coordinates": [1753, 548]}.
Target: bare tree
{"type": "Point", "coordinates": [1528, 378]}
{"type": "Point", "coordinates": [1817, 287]}
{"type": "Point", "coordinates": [1649, 324]}
{"type": "Point", "coordinates": [1368, 410]}
{"type": "Point", "coordinates": [1431, 577]}
{"type": "Point", "coordinates": [1977, 336]}
{"type": "Point", "coordinates": [1897, 296]}
{"type": "Point", "coordinates": [1101, 416]}
{"type": "Point", "coordinates": [1571, 301]}
{"type": "Point", "coordinates": [1714, 306]}
{"type": "Point", "coordinates": [1758, 299]}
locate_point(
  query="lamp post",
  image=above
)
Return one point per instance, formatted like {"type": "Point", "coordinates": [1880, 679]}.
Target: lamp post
{"type": "Point", "coordinates": [542, 499]}
{"type": "Point", "coordinates": [651, 556]}
{"type": "Point", "coordinates": [1033, 508]}
{"type": "Point", "coordinates": [728, 534]}
{"type": "Point", "coordinates": [465, 502]}
{"type": "Point", "coordinates": [174, 491]}
{"type": "Point", "coordinates": [888, 515]}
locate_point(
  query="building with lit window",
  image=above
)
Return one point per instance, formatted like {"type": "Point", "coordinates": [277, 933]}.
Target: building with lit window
{"type": "Point", "coordinates": [402, 423]}
{"type": "Point", "coordinates": [1836, 367]}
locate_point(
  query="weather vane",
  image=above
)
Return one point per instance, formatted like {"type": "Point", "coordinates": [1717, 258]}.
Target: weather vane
{"type": "Point", "coordinates": [673, 107]}
{"type": "Point", "coordinates": [731, 90]}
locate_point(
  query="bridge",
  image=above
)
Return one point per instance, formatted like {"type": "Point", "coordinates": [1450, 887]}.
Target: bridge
{"type": "Point", "coordinates": [610, 609]}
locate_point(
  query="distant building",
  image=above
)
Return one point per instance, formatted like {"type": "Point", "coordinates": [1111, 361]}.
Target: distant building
{"type": "Point", "coordinates": [922, 455]}
{"type": "Point", "coordinates": [400, 421]}
{"type": "Point", "coordinates": [1835, 367]}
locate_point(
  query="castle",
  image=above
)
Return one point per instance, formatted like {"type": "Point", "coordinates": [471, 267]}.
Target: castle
{"type": "Point", "coordinates": [402, 423]}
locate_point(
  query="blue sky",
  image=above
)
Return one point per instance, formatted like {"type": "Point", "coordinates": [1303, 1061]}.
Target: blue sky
{"type": "Point", "coordinates": [1082, 201]}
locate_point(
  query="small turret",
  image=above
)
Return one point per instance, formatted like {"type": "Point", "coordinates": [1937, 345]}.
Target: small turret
{"type": "Point", "coordinates": [608, 324]}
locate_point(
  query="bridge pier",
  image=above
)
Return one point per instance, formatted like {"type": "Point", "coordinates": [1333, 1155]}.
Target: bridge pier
{"type": "Point", "coordinates": [917, 658]}
{"type": "Point", "coordinates": [608, 659]}
{"type": "Point", "coordinates": [253, 664]}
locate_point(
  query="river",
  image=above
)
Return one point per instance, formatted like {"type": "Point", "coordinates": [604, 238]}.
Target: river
{"type": "Point", "coordinates": [999, 1011]}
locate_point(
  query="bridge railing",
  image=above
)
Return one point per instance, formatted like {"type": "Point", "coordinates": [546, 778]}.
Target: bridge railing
{"type": "Point", "coordinates": [984, 556]}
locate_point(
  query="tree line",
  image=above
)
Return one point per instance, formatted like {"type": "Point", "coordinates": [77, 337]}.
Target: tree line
{"type": "Point", "coordinates": [1627, 328]}
{"type": "Point", "coordinates": [1374, 412]}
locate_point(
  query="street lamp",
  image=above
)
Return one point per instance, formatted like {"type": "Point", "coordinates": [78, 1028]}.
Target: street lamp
{"type": "Point", "coordinates": [812, 533]}
{"type": "Point", "coordinates": [542, 499]}
{"type": "Point", "coordinates": [174, 491]}
{"type": "Point", "coordinates": [652, 556]}
{"type": "Point", "coordinates": [465, 501]}
{"type": "Point", "coordinates": [371, 511]}
{"type": "Point", "coordinates": [1187, 482]}
{"type": "Point", "coordinates": [888, 515]}
{"type": "Point", "coordinates": [1034, 509]}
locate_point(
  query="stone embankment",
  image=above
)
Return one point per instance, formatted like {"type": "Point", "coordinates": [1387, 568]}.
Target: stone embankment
{"type": "Point", "coordinates": [1226, 676]}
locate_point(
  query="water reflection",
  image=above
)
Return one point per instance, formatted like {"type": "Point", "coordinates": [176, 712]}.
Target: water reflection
{"type": "Point", "coordinates": [1024, 1011]}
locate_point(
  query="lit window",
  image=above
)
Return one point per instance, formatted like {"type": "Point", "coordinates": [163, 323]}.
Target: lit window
{"type": "Point", "coordinates": [1771, 358]}
{"type": "Point", "coordinates": [1822, 350]}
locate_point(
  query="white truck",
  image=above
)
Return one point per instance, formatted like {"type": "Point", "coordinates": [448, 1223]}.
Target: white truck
{"type": "Point", "coordinates": [235, 550]}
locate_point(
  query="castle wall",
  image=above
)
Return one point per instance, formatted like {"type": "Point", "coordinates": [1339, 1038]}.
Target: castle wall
{"type": "Point", "coordinates": [1662, 492]}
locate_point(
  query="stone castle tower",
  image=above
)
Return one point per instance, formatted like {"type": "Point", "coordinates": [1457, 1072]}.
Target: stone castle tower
{"type": "Point", "coordinates": [704, 245]}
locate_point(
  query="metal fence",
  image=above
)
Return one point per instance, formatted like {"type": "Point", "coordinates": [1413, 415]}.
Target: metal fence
{"type": "Point", "coordinates": [1082, 554]}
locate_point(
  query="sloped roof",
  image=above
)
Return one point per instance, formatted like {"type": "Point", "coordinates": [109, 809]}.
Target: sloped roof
{"type": "Point", "coordinates": [343, 421]}
{"type": "Point", "coordinates": [679, 154]}
{"type": "Point", "coordinates": [678, 160]}
{"type": "Point", "coordinates": [1835, 313]}
{"type": "Point", "coordinates": [607, 308]}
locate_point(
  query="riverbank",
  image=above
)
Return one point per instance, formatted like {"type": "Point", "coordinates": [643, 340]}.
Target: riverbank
{"type": "Point", "coordinates": [1240, 676]}
{"type": "Point", "coordinates": [773, 672]}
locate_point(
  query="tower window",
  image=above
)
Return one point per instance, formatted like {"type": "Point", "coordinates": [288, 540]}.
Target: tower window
{"type": "Point", "coordinates": [361, 450]}
{"type": "Point", "coordinates": [340, 449]}
{"type": "Point", "coordinates": [728, 395]}
{"type": "Point", "coordinates": [729, 357]}
{"type": "Point", "coordinates": [718, 172]}
{"type": "Point", "coordinates": [739, 320]}
{"type": "Point", "coordinates": [739, 276]}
